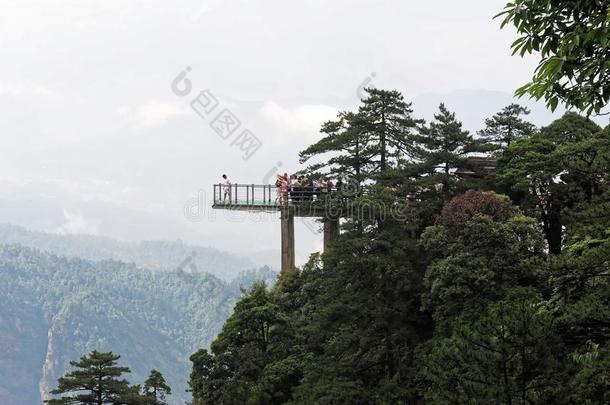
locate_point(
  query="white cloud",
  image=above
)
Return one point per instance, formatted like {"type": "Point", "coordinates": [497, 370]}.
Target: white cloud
{"type": "Point", "coordinates": [205, 7]}
{"type": "Point", "coordinates": [153, 114]}
{"type": "Point", "coordinates": [28, 89]}
{"type": "Point", "coordinates": [77, 224]}
{"type": "Point", "coordinates": [305, 119]}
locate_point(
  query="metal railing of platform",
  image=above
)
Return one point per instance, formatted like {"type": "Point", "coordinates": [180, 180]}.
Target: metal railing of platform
{"type": "Point", "coordinates": [257, 195]}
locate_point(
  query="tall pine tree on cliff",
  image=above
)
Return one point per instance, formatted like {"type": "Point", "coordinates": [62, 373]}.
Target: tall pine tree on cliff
{"type": "Point", "coordinates": [95, 381]}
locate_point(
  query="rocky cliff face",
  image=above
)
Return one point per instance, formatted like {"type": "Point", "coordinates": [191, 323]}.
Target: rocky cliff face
{"type": "Point", "coordinates": [48, 369]}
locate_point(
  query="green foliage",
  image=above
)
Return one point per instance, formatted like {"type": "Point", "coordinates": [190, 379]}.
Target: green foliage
{"type": "Point", "coordinates": [155, 388]}
{"type": "Point", "coordinates": [364, 322]}
{"type": "Point", "coordinates": [437, 295]}
{"type": "Point", "coordinates": [506, 127]}
{"type": "Point", "coordinates": [580, 281]}
{"type": "Point", "coordinates": [558, 174]}
{"type": "Point", "coordinates": [96, 380]}
{"type": "Point", "coordinates": [440, 149]}
{"type": "Point", "coordinates": [475, 262]}
{"type": "Point", "coordinates": [582, 290]}
{"type": "Point", "coordinates": [591, 382]}
{"type": "Point", "coordinates": [572, 39]}
{"type": "Point", "coordinates": [389, 124]}
{"type": "Point", "coordinates": [347, 139]}
{"type": "Point", "coordinates": [509, 355]}
{"type": "Point", "coordinates": [241, 368]}
{"type": "Point", "coordinates": [333, 339]}
{"type": "Point", "coordinates": [368, 144]}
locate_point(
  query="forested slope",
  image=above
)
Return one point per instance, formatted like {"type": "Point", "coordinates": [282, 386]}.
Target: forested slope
{"type": "Point", "coordinates": [54, 309]}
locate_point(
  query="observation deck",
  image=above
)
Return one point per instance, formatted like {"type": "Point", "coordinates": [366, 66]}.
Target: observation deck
{"type": "Point", "coordinates": [320, 202]}
{"type": "Point", "coordinates": [326, 203]}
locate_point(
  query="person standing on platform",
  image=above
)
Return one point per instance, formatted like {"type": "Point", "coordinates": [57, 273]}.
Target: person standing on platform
{"type": "Point", "coordinates": [278, 189]}
{"type": "Point", "coordinates": [285, 187]}
{"type": "Point", "coordinates": [226, 187]}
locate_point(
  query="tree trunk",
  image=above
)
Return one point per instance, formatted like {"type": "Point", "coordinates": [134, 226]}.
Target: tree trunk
{"type": "Point", "coordinates": [99, 387]}
{"type": "Point", "coordinates": [554, 231]}
{"type": "Point", "coordinates": [382, 142]}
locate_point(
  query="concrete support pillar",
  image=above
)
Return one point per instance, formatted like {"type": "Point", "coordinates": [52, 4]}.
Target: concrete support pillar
{"type": "Point", "coordinates": [287, 219]}
{"type": "Point", "coordinates": [331, 231]}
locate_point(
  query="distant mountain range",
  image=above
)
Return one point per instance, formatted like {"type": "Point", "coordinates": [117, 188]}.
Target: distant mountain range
{"type": "Point", "coordinates": [156, 255]}
{"type": "Point", "coordinates": [56, 306]}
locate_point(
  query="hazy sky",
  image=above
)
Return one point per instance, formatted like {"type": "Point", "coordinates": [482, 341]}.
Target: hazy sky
{"type": "Point", "coordinates": [92, 139]}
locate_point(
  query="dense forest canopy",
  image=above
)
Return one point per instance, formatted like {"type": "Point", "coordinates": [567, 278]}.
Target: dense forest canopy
{"type": "Point", "coordinates": [492, 285]}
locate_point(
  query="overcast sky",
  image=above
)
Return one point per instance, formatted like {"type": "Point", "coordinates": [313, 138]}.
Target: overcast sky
{"type": "Point", "coordinates": [93, 140]}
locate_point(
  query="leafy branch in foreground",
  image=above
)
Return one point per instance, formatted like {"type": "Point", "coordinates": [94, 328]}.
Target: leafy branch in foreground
{"type": "Point", "coordinates": [572, 39]}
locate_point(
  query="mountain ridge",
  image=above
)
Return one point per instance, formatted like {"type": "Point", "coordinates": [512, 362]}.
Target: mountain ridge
{"type": "Point", "coordinates": [155, 254]}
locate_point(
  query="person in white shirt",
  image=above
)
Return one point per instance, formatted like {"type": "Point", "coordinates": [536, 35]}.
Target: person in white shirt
{"type": "Point", "coordinates": [226, 186]}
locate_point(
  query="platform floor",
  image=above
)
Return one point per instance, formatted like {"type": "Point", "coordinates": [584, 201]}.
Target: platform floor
{"type": "Point", "coordinates": [313, 209]}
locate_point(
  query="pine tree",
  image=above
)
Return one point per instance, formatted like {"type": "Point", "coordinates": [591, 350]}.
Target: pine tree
{"type": "Point", "coordinates": [96, 381]}
{"type": "Point", "coordinates": [348, 141]}
{"type": "Point", "coordinates": [156, 389]}
{"type": "Point", "coordinates": [362, 320]}
{"type": "Point", "coordinates": [441, 149]}
{"type": "Point", "coordinates": [369, 144]}
{"type": "Point", "coordinates": [205, 373]}
{"type": "Point", "coordinates": [506, 127]}
{"type": "Point", "coordinates": [390, 122]}
{"type": "Point", "coordinates": [241, 355]}
{"type": "Point", "coordinates": [133, 396]}
{"type": "Point", "coordinates": [510, 355]}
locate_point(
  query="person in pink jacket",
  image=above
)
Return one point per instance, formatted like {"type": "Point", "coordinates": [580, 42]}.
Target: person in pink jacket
{"type": "Point", "coordinates": [284, 187]}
